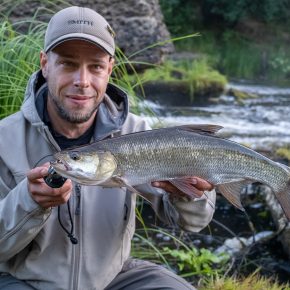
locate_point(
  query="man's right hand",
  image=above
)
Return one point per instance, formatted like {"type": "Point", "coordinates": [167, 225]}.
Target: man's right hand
{"type": "Point", "coordinates": [44, 195]}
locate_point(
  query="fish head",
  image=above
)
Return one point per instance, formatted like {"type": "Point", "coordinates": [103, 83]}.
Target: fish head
{"type": "Point", "coordinates": [85, 167]}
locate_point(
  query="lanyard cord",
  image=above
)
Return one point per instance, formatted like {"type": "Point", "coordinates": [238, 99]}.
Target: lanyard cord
{"type": "Point", "coordinates": [70, 234]}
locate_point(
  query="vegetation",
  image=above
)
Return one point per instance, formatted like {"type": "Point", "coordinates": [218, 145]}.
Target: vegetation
{"type": "Point", "coordinates": [252, 282]}
{"type": "Point", "coordinates": [244, 39]}
{"type": "Point", "coordinates": [284, 152]}
{"type": "Point", "coordinates": [196, 77]}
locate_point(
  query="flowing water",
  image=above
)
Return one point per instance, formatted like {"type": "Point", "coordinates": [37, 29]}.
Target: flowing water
{"type": "Point", "coordinates": [262, 123]}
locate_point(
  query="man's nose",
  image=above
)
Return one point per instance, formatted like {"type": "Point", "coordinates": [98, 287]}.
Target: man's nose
{"type": "Point", "coordinates": [82, 77]}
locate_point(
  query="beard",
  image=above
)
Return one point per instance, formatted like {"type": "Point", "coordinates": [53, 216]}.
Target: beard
{"type": "Point", "coordinates": [76, 117]}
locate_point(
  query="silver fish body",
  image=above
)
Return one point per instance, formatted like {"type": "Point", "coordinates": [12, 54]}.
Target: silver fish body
{"type": "Point", "coordinates": [177, 153]}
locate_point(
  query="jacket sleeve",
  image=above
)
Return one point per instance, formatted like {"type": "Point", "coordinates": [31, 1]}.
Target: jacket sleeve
{"type": "Point", "coordinates": [21, 218]}
{"type": "Point", "coordinates": [191, 215]}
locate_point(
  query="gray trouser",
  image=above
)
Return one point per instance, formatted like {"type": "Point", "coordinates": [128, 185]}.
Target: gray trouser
{"type": "Point", "coordinates": [136, 274]}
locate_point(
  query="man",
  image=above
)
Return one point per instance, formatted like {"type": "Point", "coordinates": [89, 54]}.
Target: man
{"type": "Point", "coordinates": [77, 237]}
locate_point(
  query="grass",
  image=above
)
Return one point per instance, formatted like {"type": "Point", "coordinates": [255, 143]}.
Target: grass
{"type": "Point", "coordinates": [194, 76]}
{"type": "Point", "coordinates": [252, 282]}
{"type": "Point", "coordinates": [284, 152]}
{"type": "Point", "coordinates": [18, 59]}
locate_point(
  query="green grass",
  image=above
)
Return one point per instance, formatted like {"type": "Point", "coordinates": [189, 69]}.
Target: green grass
{"type": "Point", "coordinates": [252, 282]}
{"type": "Point", "coordinates": [194, 76]}
{"type": "Point", "coordinates": [284, 152]}
{"type": "Point", "coordinates": [18, 59]}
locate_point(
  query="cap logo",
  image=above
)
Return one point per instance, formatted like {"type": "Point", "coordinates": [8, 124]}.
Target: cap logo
{"type": "Point", "coordinates": [87, 22]}
{"type": "Point", "coordinates": [111, 31]}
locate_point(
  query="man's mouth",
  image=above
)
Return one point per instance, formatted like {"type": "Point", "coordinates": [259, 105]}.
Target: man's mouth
{"type": "Point", "coordinates": [79, 99]}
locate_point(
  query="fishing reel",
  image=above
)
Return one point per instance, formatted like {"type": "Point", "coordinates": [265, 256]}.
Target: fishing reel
{"type": "Point", "coordinates": [53, 179]}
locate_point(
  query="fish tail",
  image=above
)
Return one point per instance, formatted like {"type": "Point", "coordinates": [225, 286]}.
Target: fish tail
{"type": "Point", "coordinates": [284, 199]}
{"type": "Point", "coordinates": [283, 196]}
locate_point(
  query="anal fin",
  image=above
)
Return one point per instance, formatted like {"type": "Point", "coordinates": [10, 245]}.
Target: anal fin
{"type": "Point", "coordinates": [232, 192]}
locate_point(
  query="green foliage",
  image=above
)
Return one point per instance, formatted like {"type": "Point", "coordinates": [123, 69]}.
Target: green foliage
{"type": "Point", "coordinates": [187, 260]}
{"type": "Point", "coordinates": [257, 51]}
{"type": "Point", "coordinates": [192, 14]}
{"type": "Point", "coordinates": [232, 11]}
{"type": "Point", "coordinates": [196, 75]}
{"type": "Point", "coordinates": [252, 282]}
{"type": "Point", "coordinates": [180, 23]}
{"type": "Point", "coordinates": [197, 262]}
{"type": "Point", "coordinates": [19, 55]}
{"type": "Point", "coordinates": [284, 152]}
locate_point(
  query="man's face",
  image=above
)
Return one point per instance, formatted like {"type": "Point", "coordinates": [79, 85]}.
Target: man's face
{"type": "Point", "coordinates": [77, 73]}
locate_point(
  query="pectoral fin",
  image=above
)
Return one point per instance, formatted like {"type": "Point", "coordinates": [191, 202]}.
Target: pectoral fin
{"type": "Point", "coordinates": [232, 192]}
{"type": "Point", "coordinates": [186, 186]}
{"type": "Point", "coordinates": [123, 183]}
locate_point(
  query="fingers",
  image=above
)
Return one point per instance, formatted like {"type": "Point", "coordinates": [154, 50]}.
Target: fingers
{"type": "Point", "coordinates": [203, 185]}
{"type": "Point", "coordinates": [170, 188]}
{"type": "Point", "coordinates": [38, 172]}
{"type": "Point", "coordinates": [50, 197]}
{"type": "Point", "coordinates": [198, 186]}
{"type": "Point", "coordinates": [44, 195]}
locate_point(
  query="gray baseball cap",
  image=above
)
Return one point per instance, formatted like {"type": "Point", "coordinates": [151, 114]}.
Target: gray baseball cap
{"type": "Point", "coordinates": [79, 23]}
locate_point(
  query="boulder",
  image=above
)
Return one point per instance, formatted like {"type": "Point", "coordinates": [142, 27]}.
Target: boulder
{"type": "Point", "coordinates": [138, 23]}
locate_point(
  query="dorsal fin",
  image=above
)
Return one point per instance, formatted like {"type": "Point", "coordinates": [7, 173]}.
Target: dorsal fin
{"type": "Point", "coordinates": [201, 128]}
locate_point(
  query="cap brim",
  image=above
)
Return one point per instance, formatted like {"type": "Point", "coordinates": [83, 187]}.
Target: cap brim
{"type": "Point", "coordinates": [90, 38]}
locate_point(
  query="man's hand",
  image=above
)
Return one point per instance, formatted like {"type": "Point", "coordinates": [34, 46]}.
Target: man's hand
{"type": "Point", "coordinates": [44, 195]}
{"type": "Point", "coordinates": [200, 185]}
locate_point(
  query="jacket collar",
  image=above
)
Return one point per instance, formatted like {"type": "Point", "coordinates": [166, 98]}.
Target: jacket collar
{"type": "Point", "coordinates": [111, 114]}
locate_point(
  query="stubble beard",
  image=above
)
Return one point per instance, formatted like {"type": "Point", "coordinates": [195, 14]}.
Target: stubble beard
{"type": "Point", "coordinates": [72, 117]}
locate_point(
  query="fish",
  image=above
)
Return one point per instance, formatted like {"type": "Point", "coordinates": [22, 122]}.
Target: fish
{"type": "Point", "coordinates": [175, 154]}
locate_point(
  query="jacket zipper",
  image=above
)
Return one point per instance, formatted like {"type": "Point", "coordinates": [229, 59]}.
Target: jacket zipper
{"type": "Point", "coordinates": [76, 248]}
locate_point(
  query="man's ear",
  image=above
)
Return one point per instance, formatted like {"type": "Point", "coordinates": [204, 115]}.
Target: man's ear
{"type": "Point", "coordinates": [44, 63]}
{"type": "Point", "coordinates": [111, 65]}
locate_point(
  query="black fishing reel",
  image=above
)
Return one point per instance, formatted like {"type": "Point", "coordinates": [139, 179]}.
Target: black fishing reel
{"type": "Point", "coordinates": [53, 179]}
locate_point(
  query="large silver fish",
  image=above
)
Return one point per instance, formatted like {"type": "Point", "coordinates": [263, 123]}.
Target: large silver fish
{"type": "Point", "coordinates": [175, 154]}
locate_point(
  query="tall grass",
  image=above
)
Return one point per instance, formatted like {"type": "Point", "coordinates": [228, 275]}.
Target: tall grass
{"type": "Point", "coordinates": [19, 57]}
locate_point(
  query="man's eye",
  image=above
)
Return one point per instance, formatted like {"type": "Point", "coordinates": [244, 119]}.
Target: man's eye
{"type": "Point", "coordinates": [98, 67]}
{"type": "Point", "coordinates": [67, 63]}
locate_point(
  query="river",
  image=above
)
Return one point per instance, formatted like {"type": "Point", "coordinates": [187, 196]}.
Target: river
{"type": "Point", "coordinates": [262, 123]}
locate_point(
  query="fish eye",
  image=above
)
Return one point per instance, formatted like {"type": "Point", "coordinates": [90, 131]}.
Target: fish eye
{"type": "Point", "coordinates": [74, 156]}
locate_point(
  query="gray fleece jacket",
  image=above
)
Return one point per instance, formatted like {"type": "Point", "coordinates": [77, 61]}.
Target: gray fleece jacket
{"type": "Point", "coordinates": [33, 246]}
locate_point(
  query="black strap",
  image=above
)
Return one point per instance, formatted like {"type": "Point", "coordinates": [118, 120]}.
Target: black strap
{"type": "Point", "coordinates": [70, 234]}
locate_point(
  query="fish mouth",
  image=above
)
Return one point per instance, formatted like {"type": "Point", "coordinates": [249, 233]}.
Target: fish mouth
{"type": "Point", "coordinates": [61, 165]}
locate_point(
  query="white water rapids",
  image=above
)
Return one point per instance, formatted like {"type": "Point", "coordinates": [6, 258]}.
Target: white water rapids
{"type": "Point", "coordinates": [262, 123]}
